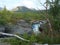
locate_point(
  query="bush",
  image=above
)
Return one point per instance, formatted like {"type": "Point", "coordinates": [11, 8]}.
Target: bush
{"type": "Point", "coordinates": [42, 39]}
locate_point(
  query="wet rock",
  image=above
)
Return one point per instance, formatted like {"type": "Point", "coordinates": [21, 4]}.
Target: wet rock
{"type": "Point", "coordinates": [2, 28]}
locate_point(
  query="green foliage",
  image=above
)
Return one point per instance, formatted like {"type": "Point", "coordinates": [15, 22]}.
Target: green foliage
{"type": "Point", "coordinates": [55, 8]}
{"type": "Point", "coordinates": [41, 39]}
{"type": "Point", "coordinates": [54, 12]}
{"type": "Point", "coordinates": [5, 16]}
{"type": "Point", "coordinates": [11, 17]}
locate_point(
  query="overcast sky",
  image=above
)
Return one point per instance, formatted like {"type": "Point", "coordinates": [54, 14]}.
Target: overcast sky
{"type": "Point", "coordinates": [10, 4]}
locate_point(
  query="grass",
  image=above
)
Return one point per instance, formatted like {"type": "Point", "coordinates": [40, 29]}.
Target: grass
{"type": "Point", "coordinates": [41, 39]}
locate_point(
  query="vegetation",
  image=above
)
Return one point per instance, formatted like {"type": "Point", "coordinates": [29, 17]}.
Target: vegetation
{"type": "Point", "coordinates": [53, 15]}
{"type": "Point", "coordinates": [54, 12]}
{"type": "Point", "coordinates": [12, 17]}
{"type": "Point", "coordinates": [40, 39]}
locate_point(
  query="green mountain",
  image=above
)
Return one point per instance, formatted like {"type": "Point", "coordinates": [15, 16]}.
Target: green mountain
{"type": "Point", "coordinates": [23, 9]}
{"type": "Point", "coordinates": [0, 8]}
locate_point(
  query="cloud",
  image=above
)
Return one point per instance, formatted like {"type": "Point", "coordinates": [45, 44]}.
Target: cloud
{"type": "Point", "coordinates": [26, 3]}
{"type": "Point", "coordinates": [29, 3]}
{"type": "Point", "coordinates": [14, 3]}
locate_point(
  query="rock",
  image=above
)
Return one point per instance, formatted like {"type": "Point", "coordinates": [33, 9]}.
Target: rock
{"type": "Point", "coordinates": [20, 27]}
{"type": "Point", "coordinates": [2, 28]}
{"type": "Point", "coordinates": [38, 44]}
{"type": "Point", "coordinates": [4, 44]}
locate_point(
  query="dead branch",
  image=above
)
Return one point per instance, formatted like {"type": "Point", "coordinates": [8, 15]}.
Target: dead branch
{"type": "Point", "coordinates": [14, 36]}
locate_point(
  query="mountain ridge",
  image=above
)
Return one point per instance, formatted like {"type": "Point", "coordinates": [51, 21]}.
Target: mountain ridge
{"type": "Point", "coordinates": [23, 9]}
{"type": "Point", "coordinates": [1, 8]}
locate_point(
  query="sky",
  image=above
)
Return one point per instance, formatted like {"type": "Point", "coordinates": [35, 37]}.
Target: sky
{"type": "Point", "coordinates": [10, 4]}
